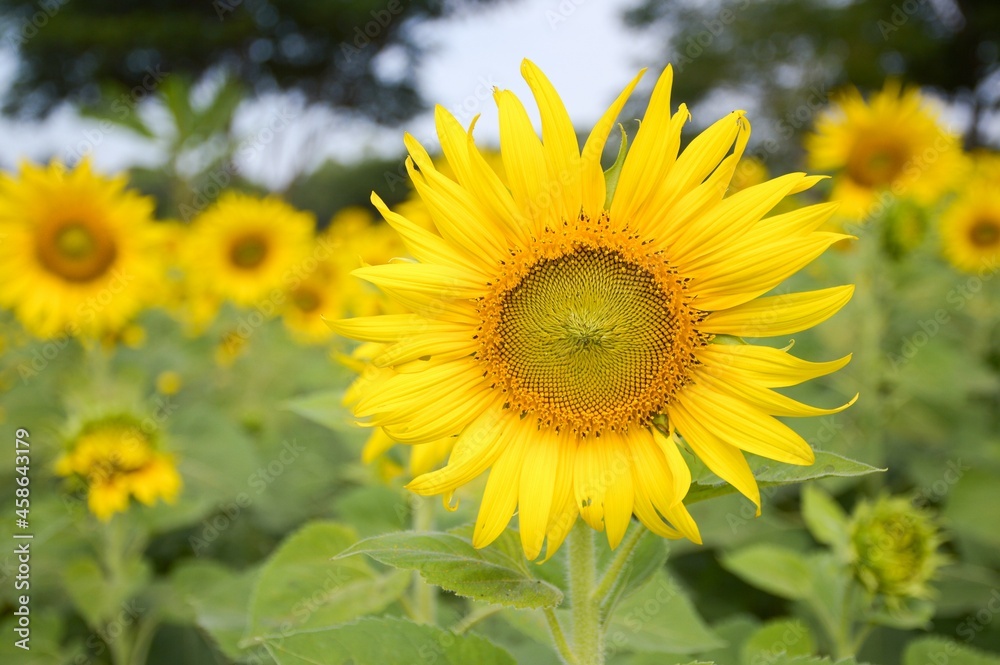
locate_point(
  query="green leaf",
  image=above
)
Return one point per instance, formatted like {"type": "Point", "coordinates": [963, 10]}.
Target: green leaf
{"type": "Point", "coordinates": [94, 597]}
{"type": "Point", "coordinates": [910, 616]}
{"type": "Point", "coordinates": [827, 465]}
{"type": "Point", "coordinates": [451, 562]}
{"type": "Point", "coordinates": [220, 599]}
{"type": "Point", "coordinates": [782, 638]}
{"type": "Point", "coordinates": [325, 408]}
{"type": "Point", "coordinates": [385, 642]}
{"type": "Point", "coordinates": [659, 618]}
{"type": "Point", "coordinates": [300, 588]}
{"type": "Point", "coordinates": [777, 570]}
{"type": "Point", "coordinates": [824, 517]}
{"type": "Point", "coordinates": [612, 174]}
{"type": "Point", "coordinates": [926, 650]}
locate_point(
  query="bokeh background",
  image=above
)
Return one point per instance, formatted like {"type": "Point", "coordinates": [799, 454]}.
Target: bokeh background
{"type": "Point", "coordinates": [239, 393]}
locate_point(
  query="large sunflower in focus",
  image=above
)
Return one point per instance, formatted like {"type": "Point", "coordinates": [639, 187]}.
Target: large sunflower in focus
{"type": "Point", "coordinates": [567, 336]}
{"type": "Point", "coordinates": [245, 247]}
{"type": "Point", "coordinates": [892, 144]}
{"type": "Point", "coordinates": [76, 250]}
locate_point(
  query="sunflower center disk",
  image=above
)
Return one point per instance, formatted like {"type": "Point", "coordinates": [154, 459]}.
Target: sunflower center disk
{"type": "Point", "coordinates": [590, 340]}
{"type": "Point", "coordinates": [248, 252]}
{"type": "Point", "coordinates": [876, 165]}
{"type": "Point", "coordinates": [75, 251]}
{"type": "Point", "coordinates": [985, 233]}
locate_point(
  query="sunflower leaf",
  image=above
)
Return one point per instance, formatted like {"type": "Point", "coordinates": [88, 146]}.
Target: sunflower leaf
{"type": "Point", "coordinates": [611, 175]}
{"type": "Point", "coordinates": [452, 563]}
{"type": "Point", "coordinates": [300, 589]}
{"type": "Point", "coordinates": [827, 465]}
{"type": "Point", "coordinates": [324, 408]}
{"type": "Point", "coordinates": [777, 570]}
{"type": "Point", "coordinates": [384, 641]}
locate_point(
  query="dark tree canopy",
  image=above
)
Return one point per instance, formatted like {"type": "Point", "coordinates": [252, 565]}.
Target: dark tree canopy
{"type": "Point", "coordinates": [327, 49]}
{"type": "Point", "coordinates": [787, 53]}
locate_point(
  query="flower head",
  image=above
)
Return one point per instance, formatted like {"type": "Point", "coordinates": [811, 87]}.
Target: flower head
{"type": "Point", "coordinates": [77, 250]}
{"type": "Point", "coordinates": [244, 247]}
{"type": "Point", "coordinates": [115, 459]}
{"type": "Point", "coordinates": [895, 548]}
{"type": "Point", "coordinates": [970, 226]}
{"type": "Point", "coordinates": [893, 145]}
{"type": "Point", "coordinates": [566, 334]}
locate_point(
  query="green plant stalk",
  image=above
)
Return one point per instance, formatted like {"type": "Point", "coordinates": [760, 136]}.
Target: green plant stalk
{"type": "Point", "coordinates": [563, 648]}
{"type": "Point", "coordinates": [872, 304]}
{"type": "Point", "coordinates": [588, 634]}
{"type": "Point", "coordinates": [119, 647]}
{"type": "Point", "coordinates": [424, 595]}
{"type": "Point", "coordinates": [614, 569]}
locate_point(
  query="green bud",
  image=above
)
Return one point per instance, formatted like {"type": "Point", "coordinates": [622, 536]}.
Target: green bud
{"type": "Point", "coordinates": [894, 547]}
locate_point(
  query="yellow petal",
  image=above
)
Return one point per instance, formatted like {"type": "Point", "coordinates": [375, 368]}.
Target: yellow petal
{"type": "Point", "coordinates": [524, 161]}
{"type": "Point", "coordinates": [438, 281]}
{"type": "Point", "coordinates": [739, 424]}
{"type": "Point", "coordinates": [501, 493]}
{"type": "Point", "coordinates": [779, 315]}
{"type": "Point", "coordinates": [724, 460]}
{"type": "Point", "coordinates": [764, 399]}
{"type": "Point", "coordinates": [592, 173]}
{"type": "Point", "coordinates": [537, 489]}
{"type": "Point", "coordinates": [562, 152]}
{"type": "Point", "coordinates": [475, 451]}
{"type": "Point", "coordinates": [773, 368]}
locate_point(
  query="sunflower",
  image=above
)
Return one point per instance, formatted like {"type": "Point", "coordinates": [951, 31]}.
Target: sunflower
{"type": "Point", "coordinates": [79, 250]}
{"type": "Point", "coordinates": [566, 334]}
{"type": "Point", "coordinates": [245, 247]}
{"type": "Point", "coordinates": [115, 459]}
{"type": "Point", "coordinates": [892, 145]}
{"type": "Point", "coordinates": [970, 229]}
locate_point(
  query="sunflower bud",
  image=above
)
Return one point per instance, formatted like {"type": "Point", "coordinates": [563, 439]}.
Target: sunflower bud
{"type": "Point", "coordinates": [894, 547]}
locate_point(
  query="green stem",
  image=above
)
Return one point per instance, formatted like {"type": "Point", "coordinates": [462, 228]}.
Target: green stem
{"type": "Point", "coordinates": [114, 557]}
{"type": "Point", "coordinates": [424, 595]}
{"type": "Point", "coordinates": [588, 638]}
{"type": "Point", "coordinates": [614, 570]}
{"type": "Point", "coordinates": [559, 638]}
{"type": "Point", "coordinates": [871, 334]}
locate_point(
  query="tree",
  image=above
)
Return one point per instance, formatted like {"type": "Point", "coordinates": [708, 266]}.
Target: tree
{"type": "Point", "coordinates": [789, 55]}
{"type": "Point", "coordinates": [353, 54]}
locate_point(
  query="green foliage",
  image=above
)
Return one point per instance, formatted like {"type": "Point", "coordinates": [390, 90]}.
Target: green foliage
{"type": "Point", "coordinates": [384, 642]}
{"type": "Point", "coordinates": [827, 464]}
{"type": "Point", "coordinates": [451, 562]}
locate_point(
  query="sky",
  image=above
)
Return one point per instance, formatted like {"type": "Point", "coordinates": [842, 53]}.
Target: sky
{"type": "Point", "coordinates": [581, 45]}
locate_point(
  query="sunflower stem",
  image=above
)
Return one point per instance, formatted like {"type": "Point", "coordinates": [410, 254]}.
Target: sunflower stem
{"type": "Point", "coordinates": [424, 594]}
{"type": "Point", "coordinates": [872, 333]}
{"type": "Point", "coordinates": [588, 637]}
{"type": "Point", "coordinates": [559, 638]}
{"type": "Point", "coordinates": [614, 570]}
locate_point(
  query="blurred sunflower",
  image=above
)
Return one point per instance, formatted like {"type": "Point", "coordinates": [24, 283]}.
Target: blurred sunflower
{"type": "Point", "coordinates": [893, 143]}
{"type": "Point", "coordinates": [565, 333]}
{"type": "Point", "coordinates": [310, 303]}
{"type": "Point", "coordinates": [970, 228]}
{"type": "Point", "coordinates": [244, 247]}
{"type": "Point", "coordinates": [78, 253]}
{"type": "Point", "coordinates": [115, 459]}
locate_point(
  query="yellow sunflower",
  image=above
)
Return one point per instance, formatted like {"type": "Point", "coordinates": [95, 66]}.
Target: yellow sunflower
{"type": "Point", "coordinates": [566, 334]}
{"type": "Point", "coordinates": [79, 250]}
{"type": "Point", "coordinates": [245, 247]}
{"type": "Point", "coordinates": [970, 229]}
{"type": "Point", "coordinates": [115, 459]}
{"type": "Point", "coordinates": [891, 146]}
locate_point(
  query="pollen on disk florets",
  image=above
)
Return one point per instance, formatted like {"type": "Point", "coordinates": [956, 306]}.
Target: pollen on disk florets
{"type": "Point", "coordinates": [588, 329]}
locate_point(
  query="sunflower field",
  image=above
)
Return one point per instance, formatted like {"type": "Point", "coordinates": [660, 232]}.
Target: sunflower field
{"type": "Point", "coordinates": [300, 365]}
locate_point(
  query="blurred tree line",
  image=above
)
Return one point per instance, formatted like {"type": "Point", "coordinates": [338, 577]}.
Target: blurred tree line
{"type": "Point", "coordinates": [790, 55]}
